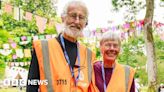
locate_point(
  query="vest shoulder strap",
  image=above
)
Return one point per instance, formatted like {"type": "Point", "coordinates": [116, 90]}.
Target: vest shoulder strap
{"type": "Point", "coordinates": [46, 64]}
{"type": "Point", "coordinates": [89, 59]}
{"type": "Point", "coordinates": [127, 73]}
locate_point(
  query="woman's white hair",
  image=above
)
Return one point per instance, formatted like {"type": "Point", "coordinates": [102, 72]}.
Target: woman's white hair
{"type": "Point", "coordinates": [74, 2]}
{"type": "Point", "coordinates": [111, 35]}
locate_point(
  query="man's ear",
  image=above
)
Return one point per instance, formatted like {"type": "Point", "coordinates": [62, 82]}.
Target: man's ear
{"type": "Point", "coordinates": [86, 23]}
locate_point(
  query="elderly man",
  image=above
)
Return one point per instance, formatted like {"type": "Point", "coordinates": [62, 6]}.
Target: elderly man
{"type": "Point", "coordinates": [63, 63]}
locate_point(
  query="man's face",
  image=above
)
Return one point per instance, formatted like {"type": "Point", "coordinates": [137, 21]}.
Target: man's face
{"type": "Point", "coordinates": [110, 50]}
{"type": "Point", "coordinates": [75, 20]}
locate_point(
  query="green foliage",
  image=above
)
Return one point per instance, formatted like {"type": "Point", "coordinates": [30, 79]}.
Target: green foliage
{"type": "Point", "coordinates": [25, 28]}
{"type": "Point", "coordinates": [132, 4]}
{"type": "Point", "coordinates": [58, 19]}
{"type": "Point", "coordinates": [14, 29]}
{"type": "Point", "coordinates": [39, 7]}
{"type": "Point", "coordinates": [2, 67]}
{"type": "Point", "coordinates": [50, 30]}
{"type": "Point", "coordinates": [160, 72]}
{"type": "Point", "coordinates": [142, 75]}
{"type": "Point", "coordinates": [24, 59]}
{"type": "Point", "coordinates": [18, 28]}
{"type": "Point", "coordinates": [98, 54]}
{"type": "Point", "coordinates": [8, 23]}
{"type": "Point", "coordinates": [159, 44]}
{"type": "Point", "coordinates": [4, 36]}
{"type": "Point", "coordinates": [130, 49]}
{"type": "Point", "coordinates": [132, 7]}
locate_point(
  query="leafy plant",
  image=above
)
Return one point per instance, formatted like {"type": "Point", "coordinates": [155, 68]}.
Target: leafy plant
{"type": "Point", "coordinates": [4, 36]}
{"type": "Point", "coordinates": [39, 7]}
{"type": "Point", "coordinates": [50, 30]}
{"type": "Point", "coordinates": [2, 68]}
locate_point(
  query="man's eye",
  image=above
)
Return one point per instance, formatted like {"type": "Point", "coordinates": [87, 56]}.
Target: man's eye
{"type": "Point", "coordinates": [81, 17]}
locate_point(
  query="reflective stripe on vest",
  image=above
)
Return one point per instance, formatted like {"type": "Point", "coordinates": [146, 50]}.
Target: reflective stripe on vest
{"type": "Point", "coordinates": [46, 64]}
{"type": "Point", "coordinates": [127, 73]}
{"type": "Point", "coordinates": [89, 58]}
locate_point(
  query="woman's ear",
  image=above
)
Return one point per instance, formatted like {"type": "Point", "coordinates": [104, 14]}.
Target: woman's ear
{"type": "Point", "coordinates": [101, 50]}
{"type": "Point", "coordinates": [120, 50]}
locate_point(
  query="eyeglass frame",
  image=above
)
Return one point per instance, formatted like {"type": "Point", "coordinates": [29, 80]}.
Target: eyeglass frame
{"type": "Point", "coordinates": [109, 45]}
{"type": "Point", "coordinates": [75, 15]}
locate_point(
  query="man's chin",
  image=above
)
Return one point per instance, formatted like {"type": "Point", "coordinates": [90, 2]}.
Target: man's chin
{"type": "Point", "coordinates": [75, 36]}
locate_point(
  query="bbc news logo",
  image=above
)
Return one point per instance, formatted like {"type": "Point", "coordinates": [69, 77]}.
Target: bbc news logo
{"type": "Point", "coordinates": [21, 82]}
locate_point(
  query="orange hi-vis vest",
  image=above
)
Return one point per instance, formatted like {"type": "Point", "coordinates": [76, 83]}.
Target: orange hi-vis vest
{"type": "Point", "coordinates": [121, 79]}
{"type": "Point", "coordinates": [54, 67]}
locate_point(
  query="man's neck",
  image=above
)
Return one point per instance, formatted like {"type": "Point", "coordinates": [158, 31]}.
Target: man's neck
{"type": "Point", "coordinates": [69, 37]}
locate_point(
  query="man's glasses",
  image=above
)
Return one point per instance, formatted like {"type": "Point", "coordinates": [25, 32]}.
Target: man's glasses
{"type": "Point", "coordinates": [74, 16]}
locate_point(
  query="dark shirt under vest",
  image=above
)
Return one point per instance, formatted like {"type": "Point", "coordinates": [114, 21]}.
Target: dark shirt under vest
{"type": "Point", "coordinates": [108, 73]}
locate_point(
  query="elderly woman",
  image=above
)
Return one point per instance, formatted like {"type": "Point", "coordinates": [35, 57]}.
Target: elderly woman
{"type": "Point", "coordinates": [109, 75]}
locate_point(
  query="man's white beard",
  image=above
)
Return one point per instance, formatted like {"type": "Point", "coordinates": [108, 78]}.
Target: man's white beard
{"type": "Point", "coordinates": [72, 33]}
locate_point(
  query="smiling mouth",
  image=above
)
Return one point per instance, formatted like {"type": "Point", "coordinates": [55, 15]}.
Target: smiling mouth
{"type": "Point", "coordinates": [111, 54]}
{"type": "Point", "coordinates": [75, 27]}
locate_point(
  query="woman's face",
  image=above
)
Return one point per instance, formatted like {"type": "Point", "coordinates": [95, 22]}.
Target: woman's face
{"type": "Point", "coordinates": [110, 50]}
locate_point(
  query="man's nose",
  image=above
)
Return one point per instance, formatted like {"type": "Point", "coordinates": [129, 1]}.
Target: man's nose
{"type": "Point", "coordinates": [111, 47]}
{"type": "Point", "coordinates": [77, 19]}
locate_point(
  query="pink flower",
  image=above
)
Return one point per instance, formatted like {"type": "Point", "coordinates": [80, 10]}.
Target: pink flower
{"type": "Point", "coordinates": [23, 38]}
{"type": "Point", "coordinates": [14, 56]}
{"type": "Point", "coordinates": [13, 45]}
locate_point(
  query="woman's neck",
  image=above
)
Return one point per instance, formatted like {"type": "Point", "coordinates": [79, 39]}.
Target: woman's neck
{"type": "Point", "coordinates": [109, 64]}
{"type": "Point", "coordinates": [69, 37]}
